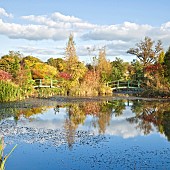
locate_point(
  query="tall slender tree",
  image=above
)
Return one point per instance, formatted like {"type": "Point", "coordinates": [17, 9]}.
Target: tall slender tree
{"type": "Point", "coordinates": [104, 66]}
{"type": "Point", "coordinates": [71, 55]}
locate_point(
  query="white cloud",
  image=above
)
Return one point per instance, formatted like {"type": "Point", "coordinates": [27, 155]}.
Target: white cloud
{"type": "Point", "coordinates": [4, 13]}
{"type": "Point", "coordinates": [118, 47]}
{"type": "Point", "coordinates": [35, 50]}
{"type": "Point", "coordinates": [117, 38]}
{"type": "Point", "coordinates": [58, 20]}
{"type": "Point", "coordinates": [65, 18]}
{"type": "Point", "coordinates": [31, 32]}
{"type": "Point", "coordinates": [125, 32]}
{"type": "Point", "coordinates": [123, 128]}
{"type": "Point", "coordinates": [59, 23]}
{"type": "Point", "coordinates": [44, 20]}
{"type": "Point", "coordinates": [165, 26]}
{"type": "Point", "coordinates": [120, 128]}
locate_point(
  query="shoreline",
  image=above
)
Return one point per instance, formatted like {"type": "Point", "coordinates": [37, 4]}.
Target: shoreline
{"type": "Point", "coordinates": [76, 99]}
{"type": "Point", "coordinates": [118, 96]}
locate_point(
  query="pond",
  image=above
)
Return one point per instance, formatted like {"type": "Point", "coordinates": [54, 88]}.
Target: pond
{"type": "Point", "coordinates": [79, 134]}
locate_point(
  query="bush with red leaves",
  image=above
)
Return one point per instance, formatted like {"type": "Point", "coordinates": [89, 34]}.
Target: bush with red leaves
{"type": "Point", "coordinates": [5, 75]}
{"type": "Point", "coordinates": [65, 76]}
{"type": "Point", "coordinates": [153, 68]}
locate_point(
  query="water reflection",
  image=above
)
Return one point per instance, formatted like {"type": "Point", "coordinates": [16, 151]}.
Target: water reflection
{"type": "Point", "coordinates": [118, 117]}
{"type": "Point", "coordinates": [148, 114]}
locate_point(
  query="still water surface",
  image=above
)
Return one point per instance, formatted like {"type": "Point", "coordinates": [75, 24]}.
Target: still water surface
{"type": "Point", "coordinates": [92, 134]}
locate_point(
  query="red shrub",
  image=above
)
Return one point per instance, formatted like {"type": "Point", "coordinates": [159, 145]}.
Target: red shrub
{"type": "Point", "coordinates": [5, 75]}
{"type": "Point", "coordinates": [153, 68]}
{"type": "Point", "coordinates": [65, 75]}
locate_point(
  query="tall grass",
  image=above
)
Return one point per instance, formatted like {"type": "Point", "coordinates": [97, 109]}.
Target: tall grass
{"type": "Point", "coordinates": [10, 91]}
{"type": "Point", "coordinates": [47, 92]}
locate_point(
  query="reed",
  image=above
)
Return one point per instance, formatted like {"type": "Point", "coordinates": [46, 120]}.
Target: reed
{"type": "Point", "coordinates": [3, 158]}
{"type": "Point", "coordinates": [10, 91]}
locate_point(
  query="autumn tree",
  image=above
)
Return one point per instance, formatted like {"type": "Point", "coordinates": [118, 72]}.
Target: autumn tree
{"type": "Point", "coordinates": [39, 69]}
{"type": "Point", "coordinates": [71, 55]}
{"type": "Point", "coordinates": [91, 83]}
{"type": "Point", "coordinates": [146, 52]}
{"type": "Point", "coordinates": [11, 63]}
{"type": "Point", "coordinates": [29, 61]}
{"type": "Point", "coordinates": [58, 63]}
{"type": "Point", "coordinates": [73, 66]}
{"type": "Point", "coordinates": [104, 66]}
{"type": "Point", "coordinates": [43, 71]}
{"type": "Point", "coordinates": [24, 78]}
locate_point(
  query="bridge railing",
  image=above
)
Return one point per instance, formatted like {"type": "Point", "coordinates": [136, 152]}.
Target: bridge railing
{"type": "Point", "coordinates": [49, 83]}
{"type": "Point", "coordinates": [119, 84]}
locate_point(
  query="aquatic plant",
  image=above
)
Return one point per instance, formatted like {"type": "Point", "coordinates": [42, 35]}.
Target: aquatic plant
{"type": "Point", "coordinates": [3, 158]}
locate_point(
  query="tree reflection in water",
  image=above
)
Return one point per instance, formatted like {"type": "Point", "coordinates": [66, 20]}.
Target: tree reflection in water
{"type": "Point", "coordinates": [148, 114]}
{"type": "Point", "coordinates": [151, 114]}
{"type": "Point", "coordinates": [76, 115]}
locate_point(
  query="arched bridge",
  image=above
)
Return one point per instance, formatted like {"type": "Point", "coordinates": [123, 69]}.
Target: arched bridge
{"type": "Point", "coordinates": [45, 83]}
{"type": "Point", "coordinates": [125, 85]}
{"type": "Point", "coordinates": [115, 85]}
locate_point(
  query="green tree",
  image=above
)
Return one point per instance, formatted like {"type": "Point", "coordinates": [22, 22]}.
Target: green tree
{"type": "Point", "coordinates": [161, 58]}
{"type": "Point", "coordinates": [59, 63]}
{"type": "Point", "coordinates": [118, 69]}
{"type": "Point", "coordinates": [136, 70]}
{"type": "Point", "coordinates": [167, 64]}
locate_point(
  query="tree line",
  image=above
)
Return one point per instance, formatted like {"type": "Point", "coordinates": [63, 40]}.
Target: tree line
{"type": "Point", "coordinates": [18, 73]}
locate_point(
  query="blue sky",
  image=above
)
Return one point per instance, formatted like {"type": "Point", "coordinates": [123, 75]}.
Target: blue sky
{"type": "Point", "coordinates": [41, 28]}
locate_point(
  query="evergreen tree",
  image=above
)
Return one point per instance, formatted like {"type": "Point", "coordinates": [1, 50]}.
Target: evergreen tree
{"type": "Point", "coordinates": [167, 65]}
{"type": "Point", "coordinates": [73, 66]}
{"type": "Point", "coordinates": [118, 69]}
{"type": "Point", "coordinates": [71, 56]}
{"type": "Point", "coordinates": [104, 66]}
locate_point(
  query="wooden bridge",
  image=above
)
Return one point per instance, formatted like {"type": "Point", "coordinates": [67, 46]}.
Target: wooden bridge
{"type": "Point", "coordinates": [125, 85]}
{"type": "Point", "coordinates": [115, 85]}
{"type": "Point", "coordinates": [43, 83]}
